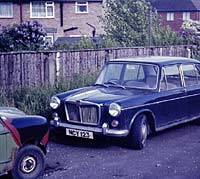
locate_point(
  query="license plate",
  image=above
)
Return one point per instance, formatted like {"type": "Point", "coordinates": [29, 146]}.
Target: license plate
{"type": "Point", "coordinates": [79, 133]}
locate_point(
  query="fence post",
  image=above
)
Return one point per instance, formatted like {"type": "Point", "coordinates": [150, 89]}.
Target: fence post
{"type": "Point", "coordinates": [57, 66]}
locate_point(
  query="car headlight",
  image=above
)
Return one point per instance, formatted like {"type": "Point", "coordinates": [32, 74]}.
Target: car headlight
{"type": "Point", "coordinates": [114, 109]}
{"type": "Point", "coordinates": [55, 102]}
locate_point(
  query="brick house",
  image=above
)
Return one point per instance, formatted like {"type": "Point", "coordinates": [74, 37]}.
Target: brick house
{"type": "Point", "coordinates": [60, 18]}
{"type": "Point", "coordinates": [174, 12]}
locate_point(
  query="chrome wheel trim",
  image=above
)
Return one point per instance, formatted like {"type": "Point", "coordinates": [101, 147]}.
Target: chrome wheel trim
{"type": "Point", "coordinates": [28, 164]}
{"type": "Point", "coordinates": [144, 131]}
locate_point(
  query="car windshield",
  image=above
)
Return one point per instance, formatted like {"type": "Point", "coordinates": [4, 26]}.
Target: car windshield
{"type": "Point", "coordinates": [129, 75]}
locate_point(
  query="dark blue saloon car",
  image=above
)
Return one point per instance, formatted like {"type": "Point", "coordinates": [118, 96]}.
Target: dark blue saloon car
{"type": "Point", "coordinates": [132, 97]}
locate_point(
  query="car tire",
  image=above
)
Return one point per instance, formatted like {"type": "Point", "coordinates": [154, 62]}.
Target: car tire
{"type": "Point", "coordinates": [139, 132]}
{"type": "Point", "coordinates": [29, 163]}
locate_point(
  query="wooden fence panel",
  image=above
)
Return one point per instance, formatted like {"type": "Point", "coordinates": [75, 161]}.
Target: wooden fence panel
{"type": "Point", "coordinates": [29, 69]}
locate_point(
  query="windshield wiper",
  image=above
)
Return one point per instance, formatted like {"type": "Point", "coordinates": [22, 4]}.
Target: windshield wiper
{"type": "Point", "coordinates": [98, 84]}
{"type": "Point", "coordinates": [115, 84]}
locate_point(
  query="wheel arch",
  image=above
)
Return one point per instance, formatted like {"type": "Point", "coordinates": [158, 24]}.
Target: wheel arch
{"type": "Point", "coordinates": [150, 118]}
{"type": "Point", "coordinates": [36, 143]}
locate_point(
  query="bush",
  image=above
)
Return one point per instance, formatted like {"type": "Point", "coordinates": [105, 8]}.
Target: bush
{"type": "Point", "coordinates": [36, 100]}
{"type": "Point", "coordinates": [25, 36]}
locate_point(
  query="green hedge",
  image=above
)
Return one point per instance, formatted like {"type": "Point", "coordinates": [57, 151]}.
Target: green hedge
{"type": "Point", "coordinates": [36, 100]}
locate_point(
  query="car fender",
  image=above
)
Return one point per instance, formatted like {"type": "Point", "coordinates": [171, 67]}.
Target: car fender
{"type": "Point", "coordinates": [143, 111]}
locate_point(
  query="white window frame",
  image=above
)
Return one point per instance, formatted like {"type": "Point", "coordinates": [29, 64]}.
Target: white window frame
{"type": "Point", "coordinates": [7, 16]}
{"type": "Point", "coordinates": [51, 37]}
{"type": "Point", "coordinates": [47, 4]}
{"type": "Point", "coordinates": [77, 4]}
{"type": "Point", "coordinates": [78, 36]}
{"type": "Point", "coordinates": [186, 16]}
{"type": "Point", "coordinates": [170, 16]}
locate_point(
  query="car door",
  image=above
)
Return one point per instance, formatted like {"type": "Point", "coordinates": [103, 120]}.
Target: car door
{"type": "Point", "coordinates": [192, 85]}
{"type": "Point", "coordinates": [3, 153]}
{"type": "Point", "coordinates": [172, 102]}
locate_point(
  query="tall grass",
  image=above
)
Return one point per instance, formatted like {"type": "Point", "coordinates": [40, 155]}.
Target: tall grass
{"type": "Point", "coordinates": [36, 100]}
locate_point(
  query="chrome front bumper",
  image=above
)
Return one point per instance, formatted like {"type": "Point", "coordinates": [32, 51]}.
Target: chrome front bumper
{"type": "Point", "coordinates": [104, 130]}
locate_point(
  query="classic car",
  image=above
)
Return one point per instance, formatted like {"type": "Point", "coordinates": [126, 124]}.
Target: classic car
{"type": "Point", "coordinates": [23, 143]}
{"type": "Point", "coordinates": [132, 97]}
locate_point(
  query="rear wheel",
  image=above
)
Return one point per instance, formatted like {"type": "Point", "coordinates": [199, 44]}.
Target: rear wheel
{"type": "Point", "coordinates": [139, 132]}
{"type": "Point", "coordinates": [29, 163]}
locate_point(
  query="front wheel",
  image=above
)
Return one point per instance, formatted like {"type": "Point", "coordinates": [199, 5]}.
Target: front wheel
{"type": "Point", "coordinates": [29, 163]}
{"type": "Point", "coordinates": [139, 132]}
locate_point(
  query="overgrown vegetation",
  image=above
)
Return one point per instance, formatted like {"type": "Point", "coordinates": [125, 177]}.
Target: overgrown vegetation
{"type": "Point", "coordinates": [25, 36]}
{"type": "Point", "coordinates": [36, 100]}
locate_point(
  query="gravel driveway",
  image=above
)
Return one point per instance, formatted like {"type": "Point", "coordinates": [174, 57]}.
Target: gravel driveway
{"type": "Point", "coordinates": [171, 154]}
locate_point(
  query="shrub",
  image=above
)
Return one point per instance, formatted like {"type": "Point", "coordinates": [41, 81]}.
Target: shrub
{"type": "Point", "coordinates": [25, 36]}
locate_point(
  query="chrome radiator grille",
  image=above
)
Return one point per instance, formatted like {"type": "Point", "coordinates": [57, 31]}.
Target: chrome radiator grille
{"type": "Point", "coordinates": [80, 112]}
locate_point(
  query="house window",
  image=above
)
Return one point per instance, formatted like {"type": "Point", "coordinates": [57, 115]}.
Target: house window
{"type": "Point", "coordinates": [6, 9]}
{"type": "Point", "coordinates": [170, 16]}
{"type": "Point", "coordinates": [186, 16]}
{"type": "Point", "coordinates": [81, 7]}
{"type": "Point", "coordinates": [42, 9]}
{"type": "Point", "coordinates": [49, 39]}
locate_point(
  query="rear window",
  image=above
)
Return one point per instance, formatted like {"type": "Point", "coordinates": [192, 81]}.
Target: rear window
{"type": "Point", "coordinates": [191, 74]}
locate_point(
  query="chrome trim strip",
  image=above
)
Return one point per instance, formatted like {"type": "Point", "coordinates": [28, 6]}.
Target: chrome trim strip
{"type": "Point", "coordinates": [172, 124]}
{"type": "Point", "coordinates": [158, 102]}
{"type": "Point", "coordinates": [117, 133]}
{"type": "Point", "coordinates": [5, 161]}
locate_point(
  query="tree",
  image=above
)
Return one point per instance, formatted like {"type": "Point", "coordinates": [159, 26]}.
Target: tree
{"type": "Point", "coordinates": [165, 36]}
{"type": "Point", "coordinates": [126, 21]}
{"type": "Point", "coordinates": [130, 23]}
{"type": "Point", "coordinates": [25, 36]}
{"type": "Point", "coordinates": [190, 32]}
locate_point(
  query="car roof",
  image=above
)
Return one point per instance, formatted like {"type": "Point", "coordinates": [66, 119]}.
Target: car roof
{"type": "Point", "coordinates": [158, 60]}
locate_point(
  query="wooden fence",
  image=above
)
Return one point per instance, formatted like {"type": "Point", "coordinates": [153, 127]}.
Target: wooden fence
{"type": "Point", "coordinates": [28, 69]}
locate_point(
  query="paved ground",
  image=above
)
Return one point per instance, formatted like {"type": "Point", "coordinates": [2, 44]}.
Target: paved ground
{"type": "Point", "coordinates": [172, 154]}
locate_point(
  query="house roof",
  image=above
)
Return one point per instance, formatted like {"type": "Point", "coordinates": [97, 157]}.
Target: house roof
{"type": "Point", "coordinates": [176, 5]}
{"type": "Point", "coordinates": [71, 41]}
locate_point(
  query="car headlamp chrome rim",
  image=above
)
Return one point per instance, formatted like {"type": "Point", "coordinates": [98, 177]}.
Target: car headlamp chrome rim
{"type": "Point", "coordinates": [114, 109]}
{"type": "Point", "coordinates": [55, 102]}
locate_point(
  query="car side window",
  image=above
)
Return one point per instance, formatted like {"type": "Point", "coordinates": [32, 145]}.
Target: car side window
{"type": "Point", "coordinates": [191, 74]}
{"type": "Point", "coordinates": [170, 77]}
{"type": "Point", "coordinates": [134, 72]}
